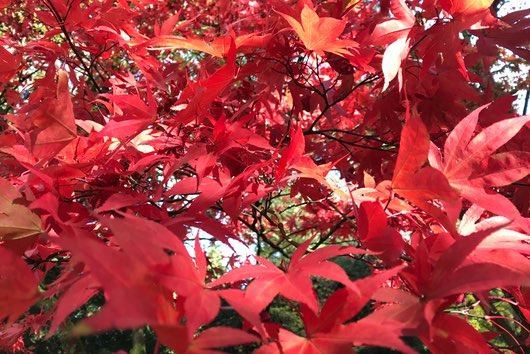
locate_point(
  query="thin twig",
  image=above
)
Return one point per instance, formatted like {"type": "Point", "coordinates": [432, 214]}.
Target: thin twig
{"type": "Point", "coordinates": [60, 22]}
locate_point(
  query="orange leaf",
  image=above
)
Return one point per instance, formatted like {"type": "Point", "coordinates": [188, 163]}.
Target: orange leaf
{"type": "Point", "coordinates": [320, 34]}
{"type": "Point", "coordinates": [466, 7]}
{"type": "Point", "coordinates": [177, 42]}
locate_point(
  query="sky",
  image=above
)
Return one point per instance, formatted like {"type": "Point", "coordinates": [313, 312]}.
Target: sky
{"type": "Point", "coordinates": [510, 6]}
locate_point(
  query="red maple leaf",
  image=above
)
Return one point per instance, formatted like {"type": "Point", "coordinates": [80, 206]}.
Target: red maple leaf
{"type": "Point", "coordinates": [295, 282]}
{"type": "Point", "coordinates": [471, 165]}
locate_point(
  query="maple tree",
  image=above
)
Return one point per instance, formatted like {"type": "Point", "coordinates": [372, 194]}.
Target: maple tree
{"type": "Point", "coordinates": [137, 136]}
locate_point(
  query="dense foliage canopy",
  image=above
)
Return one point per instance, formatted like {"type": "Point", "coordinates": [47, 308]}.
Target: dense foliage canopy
{"type": "Point", "coordinates": [268, 176]}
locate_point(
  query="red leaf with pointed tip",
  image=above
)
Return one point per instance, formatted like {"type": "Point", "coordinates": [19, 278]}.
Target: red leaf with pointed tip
{"type": "Point", "coordinates": [413, 149]}
{"type": "Point", "coordinates": [513, 35]}
{"type": "Point", "coordinates": [487, 199]}
{"type": "Point", "coordinates": [177, 338]}
{"type": "Point", "coordinates": [131, 116]}
{"type": "Point", "coordinates": [294, 284]}
{"type": "Point", "coordinates": [388, 335]}
{"type": "Point", "coordinates": [134, 298]}
{"type": "Point", "coordinates": [396, 28]}
{"type": "Point", "coordinates": [343, 338]}
{"type": "Point", "coordinates": [325, 332]}
{"type": "Point", "coordinates": [75, 296]}
{"type": "Point", "coordinates": [217, 337]}
{"type": "Point", "coordinates": [465, 7]}
{"type": "Point", "coordinates": [293, 153]}
{"type": "Point", "coordinates": [484, 276]}
{"type": "Point", "coordinates": [238, 300]}
{"type": "Point", "coordinates": [165, 41]}
{"type": "Point", "coordinates": [293, 344]}
{"type": "Point", "coordinates": [18, 285]}
{"type": "Point", "coordinates": [9, 64]}
{"type": "Point", "coordinates": [427, 183]}
{"type": "Point", "coordinates": [503, 169]}
{"type": "Point", "coordinates": [201, 307]}
{"type": "Point", "coordinates": [483, 145]}
{"type": "Point", "coordinates": [376, 235]}
{"type": "Point", "coordinates": [54, 122]}
{"type": "Point", "coordinates": [121, 200]}
{"type": "Point", "coordinates": [145, 240]}
{"type": "Point", "coordinates": [420, 185]}
{"type": "Point", "coordinates": [451, 334]}
{"type": "Point", "coordinates": [459, 138]}
{"type": "Point", "coordinates": [471, 166]}
{"type": "Point", "coordinates": [345, 303]}
{"type": "Point", "coordinates": [309, 169]}
{"type": "Point", "coordinates": [169, 25]}
{"type": "Point", "coordinates": [207, 90]}
{"type": "Point", "coordinates": [452, 275]}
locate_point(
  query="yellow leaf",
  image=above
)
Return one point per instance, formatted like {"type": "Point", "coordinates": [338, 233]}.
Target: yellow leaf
{"type": "Point", "coordinates": [16, 220]}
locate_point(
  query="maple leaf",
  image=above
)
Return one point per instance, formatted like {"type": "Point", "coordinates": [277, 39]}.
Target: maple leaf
{"type": "Point", "coordinates": [325, 332]}
{"type": "Point", "coordinates": [295, 283]}
{"type": "Point", "coordinates": [121, 200]}
{"type": "Point", "coordinates": [72, 298]}
{"type": "Point", "coordinates": [320, 34]}
{"type": "Point", "coordinates": [168, 26]}
{"type": "Point", "coordinates": [177, 273]}
{"type": "Point", "coordinates": [16, 220]}
{"type": "Point", "coordinates": [133, 298]}
{"type": "Point", "coordinates": [219, 48]}
{"type": "Point", "coordinates": [293, 153]}
{"type": "Point", "coordinates": [469, 13]}
{"type": "Point", "coordinates": [293, 158]}
{"type": "Point", "coordinates": [54, 122]}
{"type": "Point", "coordinates": [465, 7]}
{"type": "Point", "coordinates": [470, 165]}
{"type": "Point", "coordinates": [176, 42]}
{"type": "Point", "coordinates": [131, 116]}
{"type": "Point", "coordinates": [176, 338]}
{"type": "Point", "coordinates": [461, 267]}
{"type": "Point", "coordinates": [203, 93]}
{"type": "Point", "coordinates": [512, 34]}
{"type": "Point", "coordinates": [134, 149]}
{"type": "Point", "coordinates": [18, 285]}
{"type": "Point", "coordinates": [143, 244]}
{"type": "Point", "coordinates": [201, 304]}
{"type": "Point", "coordinates": [393, 57]}
{"type": "Point", "coordinates": [502, 169]}
{"type": "Point", "coordinates": [464, 266]}
{"type": "Point", "coordinates": [9, 64]}
{"type": "Point", "coordinates": [414, 182]}
{"type": "Point", "coordinates": [396, 32]}
{"type": "Point", "coordinates": [462, 334]}
{"type": "Point", "coordinates": [376, 235]}
{"type": "Point", "coordinates": [341, 340]}
{"type": "Point", "coordinates": [505, 238]}
{"type": "Point", "coordinates": [307, 168]}
{"type": "Point", "coordinates": [399, 27]}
